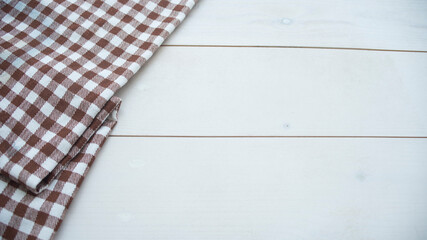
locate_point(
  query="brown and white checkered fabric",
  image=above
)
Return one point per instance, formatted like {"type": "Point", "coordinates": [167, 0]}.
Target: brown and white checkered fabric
{"type": "Point", "coordinates": [60, 64]}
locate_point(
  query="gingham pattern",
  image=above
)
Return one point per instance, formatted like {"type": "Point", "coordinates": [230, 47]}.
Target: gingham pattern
{"type": "Point", "coordinates": [60, 64]}
{"type": "Point", "coordinates": [29, 216]}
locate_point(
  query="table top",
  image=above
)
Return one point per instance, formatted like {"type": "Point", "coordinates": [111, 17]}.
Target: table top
{"type": "Point", "coordinates": [270, 119]}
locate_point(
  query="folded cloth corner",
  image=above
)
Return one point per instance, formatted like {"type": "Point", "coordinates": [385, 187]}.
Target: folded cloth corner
{"type": "Point", "coordinates": [61, 62]}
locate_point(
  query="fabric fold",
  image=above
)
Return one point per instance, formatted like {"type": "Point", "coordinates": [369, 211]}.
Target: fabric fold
{"type": "Point", "coordinates": [29, 214]}
{"type": "Point", "coordinates": [61, 63]}
{"type": "Point", "coordinates": [43, 178]}
{"type": "Point", "coordinates": [107, 113]}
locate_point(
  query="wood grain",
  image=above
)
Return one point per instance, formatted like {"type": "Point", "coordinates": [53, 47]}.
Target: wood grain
{"type": "Point", "coordinates": [306, 189]}
{"type": "Point", "coordinates": [277, 92]}
{"type": "Point", "coordinates": [381, 24]}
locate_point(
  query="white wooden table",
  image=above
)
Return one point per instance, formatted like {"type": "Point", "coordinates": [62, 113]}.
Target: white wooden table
{"type": "Point", "coordinates": [272, 119]}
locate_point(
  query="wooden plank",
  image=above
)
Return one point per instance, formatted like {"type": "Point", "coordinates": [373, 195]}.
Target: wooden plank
{"type": "Point", "coordinates": [303, 188]}
{"type": "Point", "coordinates": [380, 24]}
{"type": "Point", "coordinates": [292, 92]}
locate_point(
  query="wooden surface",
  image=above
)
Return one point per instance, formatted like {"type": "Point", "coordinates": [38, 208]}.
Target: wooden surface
{"type": "Point", "coordinates": [305, 188]}
{"type": "Point", "coordinates": [379, 24]}
{"type": "Point", "coordinates": [270, 120]}
{"type": "Point", "coordinates": [257, 91]}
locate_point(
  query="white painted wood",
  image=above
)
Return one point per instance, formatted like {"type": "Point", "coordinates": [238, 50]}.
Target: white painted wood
{"type": "Point", "coordinates": [258, 91]}
{"type": "Point", "coordinates": [380, 24]}
{"type": "Point", "coordinates": [301, 188]}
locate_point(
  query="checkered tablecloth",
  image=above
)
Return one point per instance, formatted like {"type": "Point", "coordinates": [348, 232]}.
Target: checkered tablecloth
{"type": "Point", "coordinates": [60, 64]}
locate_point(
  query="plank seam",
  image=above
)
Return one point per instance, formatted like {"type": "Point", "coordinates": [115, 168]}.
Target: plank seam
{"type": "Point", "coordinates": [258, 136]}
{"type": "Point", "coordinates": [296, 47]}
